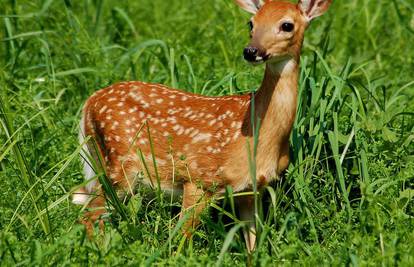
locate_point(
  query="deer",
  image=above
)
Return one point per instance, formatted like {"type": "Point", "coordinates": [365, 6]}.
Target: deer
{"type": "Point", "coordinates": [199, 142]}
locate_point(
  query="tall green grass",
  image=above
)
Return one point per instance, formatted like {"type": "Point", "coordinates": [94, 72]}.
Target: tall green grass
{"type": "Point", "coordinates": [346, 198]}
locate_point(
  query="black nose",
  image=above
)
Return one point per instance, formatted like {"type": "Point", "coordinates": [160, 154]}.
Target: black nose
{"type": "Point", "coordinates": [250, 53]}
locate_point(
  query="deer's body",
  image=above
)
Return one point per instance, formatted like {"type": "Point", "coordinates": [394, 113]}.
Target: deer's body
{"type": "Point", "coordinates": [199, 143]}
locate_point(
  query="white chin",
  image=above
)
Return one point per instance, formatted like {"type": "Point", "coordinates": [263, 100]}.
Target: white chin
{"type": "Point", "coordinates": [257, 61]}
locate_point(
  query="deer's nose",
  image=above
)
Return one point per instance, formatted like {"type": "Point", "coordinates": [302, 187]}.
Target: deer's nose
{"type": "Point", "coordinates": [250, 53]}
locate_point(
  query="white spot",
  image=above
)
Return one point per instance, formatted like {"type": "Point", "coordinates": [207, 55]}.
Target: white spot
{"type": "Point", "coordinates": [194, 133]}
{"type": "Point", "coordinates": [193, 165]}
{"type": "Point", "coordinates": [166, 134]}
{"type": "Point", "coordinates": [158, 113]}
{"type": "Point", "coordinates": [188, 114]}
{"type": "Point", "coordinates": [212, 122]}
{"type": "Point", "coordinates": [128, 122]}
{"type": "Point", "coordinates": [184, 98]}
{"type": "Point", "coordinates": [136, 97]}
{"type": "Point", "coordinates": [120, 104]}
{"type": "Point", "coordinates": [122, 112]}
{"type": "Point", "coordinates": [236, 135]}
{"type": "Point", "coordinates": [172, 119]}
{"type": "Point", "coordinates": [202, 137]}
{"type": "Point", "coordinates": [160, 162]}
{"type": "Point", "coordinates": [188, 130]}
{"type": "Point", "coordinates": [236, 125]}
{"type": "Point", "coordinates": [114, 125]}
{"type": "Point", "coordinates": [159, 101]}
{"type": "Point", "coordinates": [172, 111]}
{"type": "Point", "coordinates": [117, 138]}
{"type": "Point", "coordinates": [112, 99]}
{"type": "Point", "coordinates": [180, 131]}
{"type": "Point", "coordinates": [222, 117]}
{"type": "Point", "coordinates": [172, 96]}
{"type": "Point", "coordinates": [102, 125]}
{"type": "Point", "coordinates": [102, 110]}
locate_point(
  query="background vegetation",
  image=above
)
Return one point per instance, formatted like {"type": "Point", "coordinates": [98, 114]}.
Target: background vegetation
{"type": "Point", "coordinates": [347, 198]}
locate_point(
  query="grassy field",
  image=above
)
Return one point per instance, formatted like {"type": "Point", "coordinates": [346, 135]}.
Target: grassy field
{"type": "Point", "coordinates": [346, 199]}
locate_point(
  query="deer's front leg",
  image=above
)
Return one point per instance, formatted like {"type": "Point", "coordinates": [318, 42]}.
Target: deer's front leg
{"type": "Point", "coordinates": [194, 202]}
{"type": "Point", "coordinates": [245, 206]}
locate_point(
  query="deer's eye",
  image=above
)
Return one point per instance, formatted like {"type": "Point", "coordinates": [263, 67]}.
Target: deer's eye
{"type": "Point", "coordinates": [250, 25]}
{"type": "Point", "coordinates": [287, 27]}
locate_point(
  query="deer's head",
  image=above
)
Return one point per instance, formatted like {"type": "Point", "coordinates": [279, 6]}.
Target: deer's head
{"type": "Point", "coordinates": [277, 27]}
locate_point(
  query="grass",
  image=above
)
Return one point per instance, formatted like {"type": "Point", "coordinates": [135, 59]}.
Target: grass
{"type": "Point", "coordinates": [346, 199]}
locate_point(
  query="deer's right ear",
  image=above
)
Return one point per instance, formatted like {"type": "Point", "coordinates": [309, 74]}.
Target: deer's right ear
{"type": "Point", "coordinates": [313, 8]}
{"type": "Point", "coordinates": [251, 6]}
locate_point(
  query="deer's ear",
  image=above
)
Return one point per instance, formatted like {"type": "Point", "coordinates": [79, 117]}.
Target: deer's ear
{"type": "Point", "coordinates": [313, 8]}
{"type": "Point", "coordinates": [251, 6]}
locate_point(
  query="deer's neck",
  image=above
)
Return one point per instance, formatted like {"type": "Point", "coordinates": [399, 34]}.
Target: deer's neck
{"type": "Point", "coordinates": [275, 103]}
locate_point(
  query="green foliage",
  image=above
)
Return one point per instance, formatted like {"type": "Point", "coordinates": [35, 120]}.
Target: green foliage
{"type": "Point", "coordinates": [346, 199]}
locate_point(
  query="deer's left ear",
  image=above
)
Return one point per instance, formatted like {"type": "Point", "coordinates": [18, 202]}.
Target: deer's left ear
{"type": "Point", "coordinates": [313, 8]}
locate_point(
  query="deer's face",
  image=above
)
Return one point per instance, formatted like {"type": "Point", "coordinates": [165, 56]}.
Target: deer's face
{"type": "Point", "coordinates": [277, 32]}
{"type": "Point", "coordinates": [277, 28]}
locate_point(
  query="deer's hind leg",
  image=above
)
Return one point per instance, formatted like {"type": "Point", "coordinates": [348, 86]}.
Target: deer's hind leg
{"type": "Point", "coordinates": [94, 212]}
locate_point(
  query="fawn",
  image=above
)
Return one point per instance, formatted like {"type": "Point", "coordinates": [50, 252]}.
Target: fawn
{"type": "Point", "coordinates": [200, 142]}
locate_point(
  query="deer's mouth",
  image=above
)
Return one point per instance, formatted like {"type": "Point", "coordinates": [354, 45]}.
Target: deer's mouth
{"type": "Point", "coordinates": [260, 59]}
